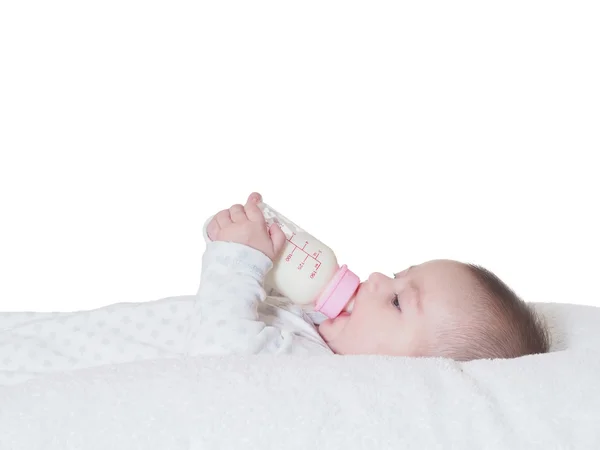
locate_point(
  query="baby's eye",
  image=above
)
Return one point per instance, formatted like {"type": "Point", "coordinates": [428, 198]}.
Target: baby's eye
{"type": "Point", "coordinates": [396, 303]}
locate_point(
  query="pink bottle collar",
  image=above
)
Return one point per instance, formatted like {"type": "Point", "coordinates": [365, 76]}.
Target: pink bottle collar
{"type": "Point", "coordinates": [338, 292]}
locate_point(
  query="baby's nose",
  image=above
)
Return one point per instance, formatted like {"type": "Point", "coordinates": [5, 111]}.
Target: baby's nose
{"type": "Point", "coordinates": [377, 278]}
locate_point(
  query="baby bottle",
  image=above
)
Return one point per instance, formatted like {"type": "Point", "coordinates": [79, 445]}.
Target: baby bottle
{"type": "Point", "coordinates": [307, 271]}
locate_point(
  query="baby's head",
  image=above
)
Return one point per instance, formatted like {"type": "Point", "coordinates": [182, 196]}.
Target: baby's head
{"type": "Point", "coordinates": [439, 308]}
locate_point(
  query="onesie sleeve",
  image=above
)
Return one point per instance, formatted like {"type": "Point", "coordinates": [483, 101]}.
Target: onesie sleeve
{"type": "Point", "coordinates": [231, 284]}
{"type": "Point", "coordinates": [225, 316]}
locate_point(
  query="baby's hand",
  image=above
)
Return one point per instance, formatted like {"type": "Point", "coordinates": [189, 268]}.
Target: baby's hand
{"type": "Point", "coordinates": [246, 225]}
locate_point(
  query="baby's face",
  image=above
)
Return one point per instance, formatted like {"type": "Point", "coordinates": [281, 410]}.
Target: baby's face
{"type": "Point", "coordinates": [401, 316]}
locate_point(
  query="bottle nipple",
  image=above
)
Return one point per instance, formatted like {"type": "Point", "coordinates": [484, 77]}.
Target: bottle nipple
{"type": "Point", "coordinates": [349, 307]}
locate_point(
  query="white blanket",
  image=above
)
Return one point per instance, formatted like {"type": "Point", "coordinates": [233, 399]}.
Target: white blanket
{"type": "Point", "coordinates": [547, 401]}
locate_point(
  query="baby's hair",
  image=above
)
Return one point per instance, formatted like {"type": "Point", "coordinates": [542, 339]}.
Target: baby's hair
{"type": "Point", "coordinates": [504, 326]}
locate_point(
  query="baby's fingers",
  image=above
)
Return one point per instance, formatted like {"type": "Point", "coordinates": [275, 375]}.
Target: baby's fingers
{"type": "Point", "coordinates": [220, 220]}
{"type": "Point", "coordinates": [255, 197]}
{"type": "Point", "coordinates": [212, 229]}
{"type": "Point", "coordinates": [223, 218]}
{"type": "Point", "coordinates": [278, 238]}
{"type": "Point", "coordinates": [252, 210]}
{"type": "Point", "coordinates": [238, 214]}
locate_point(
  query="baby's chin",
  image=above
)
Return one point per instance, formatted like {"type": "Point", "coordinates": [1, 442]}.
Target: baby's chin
{"type": "Point", "coordinates": [330, 329]}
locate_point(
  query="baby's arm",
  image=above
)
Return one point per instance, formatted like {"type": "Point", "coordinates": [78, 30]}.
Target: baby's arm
{"type": "Point", "coordinates": [225, 318]}
{"type": "Point", "coordinates": [225, 311]}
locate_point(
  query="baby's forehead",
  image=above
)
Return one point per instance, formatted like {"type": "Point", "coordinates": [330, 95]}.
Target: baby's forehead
{"type": "Point", "coordinates": [446, 282]}
{"type": "Point", "coordinates": [445, 271]}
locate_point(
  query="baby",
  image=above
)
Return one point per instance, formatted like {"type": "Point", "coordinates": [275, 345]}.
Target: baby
{"type": "Point", "coordinates": [440, 308]}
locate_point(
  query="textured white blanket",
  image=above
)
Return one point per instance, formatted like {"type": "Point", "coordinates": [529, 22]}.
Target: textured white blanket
{"type": "Point", "coordinates": [326, 402]}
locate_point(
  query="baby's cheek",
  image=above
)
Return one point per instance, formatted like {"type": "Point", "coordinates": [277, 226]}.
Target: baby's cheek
{"type": "Point", "coordinates": [416, 341]}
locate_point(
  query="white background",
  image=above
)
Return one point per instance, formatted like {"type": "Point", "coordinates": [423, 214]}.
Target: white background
{"type": "Point", "coordinates": [394, 133]}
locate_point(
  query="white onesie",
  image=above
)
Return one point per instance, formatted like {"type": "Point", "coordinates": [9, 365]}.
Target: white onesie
{"type": "Point", "coordinates": [233, 314]}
